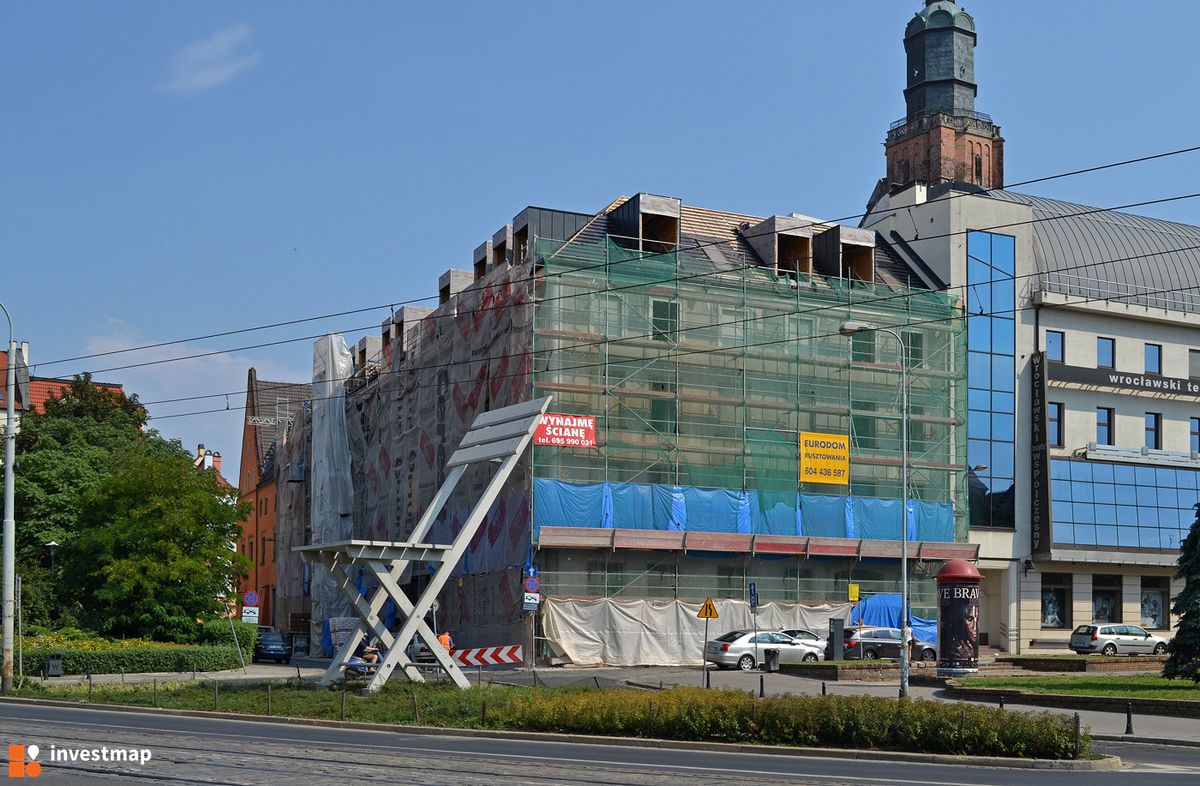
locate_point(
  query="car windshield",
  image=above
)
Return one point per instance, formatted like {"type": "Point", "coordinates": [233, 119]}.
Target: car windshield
{"type": "Point", "coordinates": [732, 636]}
{"type": "Point", "coordinates": [1085, 629]}
{"type": "Point", "coordinates": [270, 638]}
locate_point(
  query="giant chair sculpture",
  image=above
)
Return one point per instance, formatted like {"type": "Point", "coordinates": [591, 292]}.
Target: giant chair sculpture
{"type": "Point", "coordinates": [500, 435]}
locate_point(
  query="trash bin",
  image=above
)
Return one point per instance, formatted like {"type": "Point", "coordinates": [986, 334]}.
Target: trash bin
{"type": "Point", "coordinates": [54, 665]}
{"type": "Point", "coordinates": [771, 660]}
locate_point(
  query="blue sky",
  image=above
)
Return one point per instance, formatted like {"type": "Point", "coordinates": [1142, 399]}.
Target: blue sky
{"type": "Point", "coordinates": [175, 170]}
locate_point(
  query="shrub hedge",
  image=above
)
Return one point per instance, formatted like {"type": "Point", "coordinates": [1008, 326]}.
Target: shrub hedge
{"type": "Point", "coordinates": [826, 721]}
{"type": "Point", "coordinates": [218, 632]}
{"type": "Point", "coordinates": [133, 660]}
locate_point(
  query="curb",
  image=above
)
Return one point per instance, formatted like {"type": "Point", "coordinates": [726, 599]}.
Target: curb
{"type": "Point", "coordinates": [1105, 763]}
{"type": "Point", "coordinates": [1171, 708]}
{"type": "Point", "coordinates": [1146, 740]}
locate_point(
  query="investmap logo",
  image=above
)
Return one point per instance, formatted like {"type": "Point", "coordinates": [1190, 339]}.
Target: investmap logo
{"type": "Point", "coordinates": [22, 761]}
{"type": "Point", "coordinates": [25, 761]}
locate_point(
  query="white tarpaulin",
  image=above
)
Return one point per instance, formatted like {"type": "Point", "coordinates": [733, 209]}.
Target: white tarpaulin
{"type": "Point", "coordinates": [663, 633]}
{"type": "Point", "coordinates": [332, 489]}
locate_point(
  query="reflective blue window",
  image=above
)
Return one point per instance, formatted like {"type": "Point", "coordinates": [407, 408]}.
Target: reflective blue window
{"type": "Point", "coordinates": [1128, 536]}
{"type": "Point", "coordinates": [1123, 473]}
{"type": "Point", "coordinates": [1126, 495]}
{"type": "Point", "coordinates": [1105, 493]}
{"type": "Point", "coordinates": [1106, 536]}
{"type": "Point", "coordinates": [1106, 352]}
{"type": "Point", "coordinates": [1153, 359]}
{"type": "Point", "coordinates": [1060, 468]}
{"type": "Point", "coordinates": [1127, 514]}
{"type": "Point", "coordinates": [1106, 514]}
{"type": "Point", "coordinates": [1054, 345]}
{"type": "Point", "coordinates": [991, 373]}
{"type": "Point", "coordinates": [1082, 492]}
{"type": "Point", "coordinates": [1080, 470]}
{"type": "Point", "coordinates": [1103, 473]}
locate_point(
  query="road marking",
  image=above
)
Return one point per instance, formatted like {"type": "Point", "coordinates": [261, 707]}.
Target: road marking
{"type": "Point", "coordinates": [541, 758]}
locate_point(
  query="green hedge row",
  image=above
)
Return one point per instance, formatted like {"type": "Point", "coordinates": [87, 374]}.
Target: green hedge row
{"type": "Point", "coordinates": [135, 660]}
{"type": "Point", "coordinates": [218, 632]}
{"type": "Point", "coordinates": [825, 721]}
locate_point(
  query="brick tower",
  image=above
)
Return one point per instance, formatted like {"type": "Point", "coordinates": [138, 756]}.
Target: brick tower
{"type": "Point", "coordinates": [942, 138]}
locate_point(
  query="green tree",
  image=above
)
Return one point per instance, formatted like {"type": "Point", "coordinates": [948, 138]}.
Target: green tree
{"type": "Point", "coordinates": [63, 451]}
{"type": "Point", "coordinates": [1184, 649]}
{"type": "Point", "coordinates": [152, 550]}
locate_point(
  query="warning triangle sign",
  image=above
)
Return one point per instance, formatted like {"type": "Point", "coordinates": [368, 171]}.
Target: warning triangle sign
{"type": "Point", "coordinates": [708, 611]}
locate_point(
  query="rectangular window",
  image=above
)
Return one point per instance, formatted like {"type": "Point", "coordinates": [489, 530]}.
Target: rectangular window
{"type": "Point", "coordinates": [1106, 598]}
{"type": "Point", "coordinates": [1153, 358]}
{"type": "Point", "coordinates": [262, 554]}
{"type": "Point", "coordinates": [1106, 352]}
{"type": "Point", "coordinates": [915, 344]}
{"type": "Point", "coordinates": [1104, 425]}
{"type": "Point", "coordinates": [1055, 345]}
{"type": "Point", "coordinates": [1153, 431]}
{"type": "Point", "coordinates": [1054, 424]}
{"type": "Point", "coordinates": [664, 318]}
{"type": "Point", "coordinates": [1154, 602]}
{"type": "Point", "coordinates": [1056, 601]}
{"type": "Point", "coordinates": [250, 549]}
{"type": "Point", "coordinates": [1194, 442]}
{"type": "Point", "coordinates": [1194, 363]}
{"type": "Point", "coordinates": [862, 346]}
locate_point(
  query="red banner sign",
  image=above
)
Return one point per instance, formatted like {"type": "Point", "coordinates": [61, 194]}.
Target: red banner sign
{"type": "Point", "coordinates": [566, 431]}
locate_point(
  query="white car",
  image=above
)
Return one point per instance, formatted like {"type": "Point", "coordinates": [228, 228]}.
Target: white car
{"type": "Point", "coordinates": [746, 649]}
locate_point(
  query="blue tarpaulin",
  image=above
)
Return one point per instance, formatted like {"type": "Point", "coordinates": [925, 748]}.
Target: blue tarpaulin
{"type": "Point", "coordinates": [884, 611]}
{"type": "Point", "coordinates": [691, 508]}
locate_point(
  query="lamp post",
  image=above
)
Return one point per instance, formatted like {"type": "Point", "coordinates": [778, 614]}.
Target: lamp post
{"type": "Point", "coordinates": [52, 545]}
{"type": "Point", "coordinates": [10, 527]}
{"type": "Point", "coordinates": [851, 328]}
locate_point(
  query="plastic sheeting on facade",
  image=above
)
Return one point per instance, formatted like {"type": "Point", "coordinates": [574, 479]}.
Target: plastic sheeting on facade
{"type": "Point", "coordinates": [332, 488]}
{"type": "Point", "coordinates": [661, 507]}
{"type": "Point", "coordinates": [884, 610]}
{"type": "Point", "coordinates": [609, 632]}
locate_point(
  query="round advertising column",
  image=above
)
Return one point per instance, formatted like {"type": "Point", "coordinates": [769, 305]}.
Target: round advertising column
{"type": "Point", "coordinates": [958, 618]}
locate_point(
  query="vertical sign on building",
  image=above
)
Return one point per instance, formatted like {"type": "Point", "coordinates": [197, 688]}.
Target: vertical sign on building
{"type": "Point", "coordinates": [1039, 463]}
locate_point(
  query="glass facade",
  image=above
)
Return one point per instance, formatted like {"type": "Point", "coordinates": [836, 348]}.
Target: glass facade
{"type": "Point", "coordinates": [1097, 503]}
{"type": "Point", "coordinates": [991, 377]}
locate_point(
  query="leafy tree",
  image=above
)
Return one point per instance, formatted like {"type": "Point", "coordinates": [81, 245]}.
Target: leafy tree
{"type": "Point", "coordinates": [1184, 649]}
{"type": "Point", "coordinates": [152, 553]}
{"type": "Point", "coordinates": [63, 452]}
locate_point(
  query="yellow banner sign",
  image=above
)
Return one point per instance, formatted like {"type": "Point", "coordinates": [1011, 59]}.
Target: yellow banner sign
{"type": "Point", "coordinates": [824, 458]}
{"type": "Point", "coordinates": [852, 592]}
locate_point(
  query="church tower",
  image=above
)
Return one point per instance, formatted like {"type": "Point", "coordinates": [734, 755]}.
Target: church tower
{"type": "Point", "coordinates": [942, 138]}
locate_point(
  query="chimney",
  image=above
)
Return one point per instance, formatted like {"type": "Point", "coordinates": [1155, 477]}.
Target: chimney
{"type": "Point", "coordinates": [216, 462]}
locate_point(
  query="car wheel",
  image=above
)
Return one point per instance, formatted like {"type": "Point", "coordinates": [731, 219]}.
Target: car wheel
{"type": "Point", "coordinates": [870, 654]}
{"type": "Point", "coordinates": [1160, 648]}
{"type": "Point", "coordinates": [929, 656]}
{"type": "Point", "coordinates": [746, 662]}
{"type": "Point", "coordinates": [809, 657]}
{"type": "Point", "coordinates": [1110, 649]}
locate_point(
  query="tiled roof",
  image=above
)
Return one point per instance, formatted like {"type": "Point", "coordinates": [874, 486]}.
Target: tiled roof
{"type": "Point", "coordinates": [41, 389]}
{"type": "Point", "coordinates": [273, 400]}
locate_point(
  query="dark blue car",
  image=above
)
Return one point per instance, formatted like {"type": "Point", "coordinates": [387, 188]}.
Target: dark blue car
{"type": "Point", "coordinates": [272, 646]}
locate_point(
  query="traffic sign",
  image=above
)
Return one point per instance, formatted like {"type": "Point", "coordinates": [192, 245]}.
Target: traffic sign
{"type": "Point", "coordinates": [250, 598]}
{"type": "Point", "coordinates": [532, 584]}
{"type": "Point", "coordinates": [753, 595]}
{"type": "Point", "coordinates": [531, 601]}
{"type": "Point", "coordinates": [250, 614]}
{"type": "Point", "coordinates": [490, 656]}
{"type": "Point", "coordinates": [708, 611]}
{"type": "Point", "coordinates": [852, 592]}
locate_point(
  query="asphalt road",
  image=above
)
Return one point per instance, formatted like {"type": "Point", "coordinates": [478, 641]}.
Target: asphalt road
{"type": "Point", "coordinates": [203, 750]}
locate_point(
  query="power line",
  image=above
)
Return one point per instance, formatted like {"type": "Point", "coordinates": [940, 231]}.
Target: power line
{"type": "Point", "coordinates": [1088, 211]}
{"type": "Point", "coordinates": [392, 306]}
{"type": "Point", "coordinates": [709, 350]}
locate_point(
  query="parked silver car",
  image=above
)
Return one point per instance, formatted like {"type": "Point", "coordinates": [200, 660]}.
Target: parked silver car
{"type": "Point", "coordinates": [744, 649]}
{"type": "Point", "coordinates": [1112, 639]}
{"type": "Point", "coordinates": [804, 634]}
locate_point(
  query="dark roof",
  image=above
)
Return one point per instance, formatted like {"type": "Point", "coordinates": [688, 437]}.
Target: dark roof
{"type": "Point", "coordinates": [1099, 253]}
{"type": "Point", "coordinates": [278, 400]}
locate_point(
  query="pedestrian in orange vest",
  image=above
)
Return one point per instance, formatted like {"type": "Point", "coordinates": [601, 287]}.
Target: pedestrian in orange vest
{"type": "Point", "coordinates": [446, 641]}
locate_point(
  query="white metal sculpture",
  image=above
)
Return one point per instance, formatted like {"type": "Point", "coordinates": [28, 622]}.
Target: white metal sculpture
{"type": "Point", "coordinates": [500, 435]}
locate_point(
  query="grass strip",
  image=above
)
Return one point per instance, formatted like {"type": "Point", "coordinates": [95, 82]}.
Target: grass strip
{"type": "Point", "coordinates": [1122, 686]}
{"type": "Point", "coordinates": [863, 722]}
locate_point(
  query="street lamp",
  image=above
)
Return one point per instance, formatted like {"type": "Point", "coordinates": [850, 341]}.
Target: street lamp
{"type": "Point", "coordinates": [849, 329]}
{"type": "Point", "coordinates": [52, 545]}
{"type": "Point", "coordinates": [10, 526]}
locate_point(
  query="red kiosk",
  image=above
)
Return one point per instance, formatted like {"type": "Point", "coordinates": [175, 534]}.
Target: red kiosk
{"type": "Point", "coordinates": [958, 618]}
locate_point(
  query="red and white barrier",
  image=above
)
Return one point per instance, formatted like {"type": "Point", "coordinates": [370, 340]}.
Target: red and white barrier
{"type": "Point", "coordinates": [490, 656]}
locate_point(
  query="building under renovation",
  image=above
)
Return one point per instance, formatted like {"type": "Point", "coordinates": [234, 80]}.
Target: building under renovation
{"type": "Point", "coordinates": [702, 347]}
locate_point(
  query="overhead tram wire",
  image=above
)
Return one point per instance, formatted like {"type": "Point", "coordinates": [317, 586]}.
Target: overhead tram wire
{"type": "Point", "coordinates": [900, 294]}
{"type": "Point", "coordinates": [704, 350]}
{"type": "Point", "coordinates": [815, 310]}
{"type": "Point", "coordinates": [741, 322]}
{"type": "Point", "coordinates": [982, 192]}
